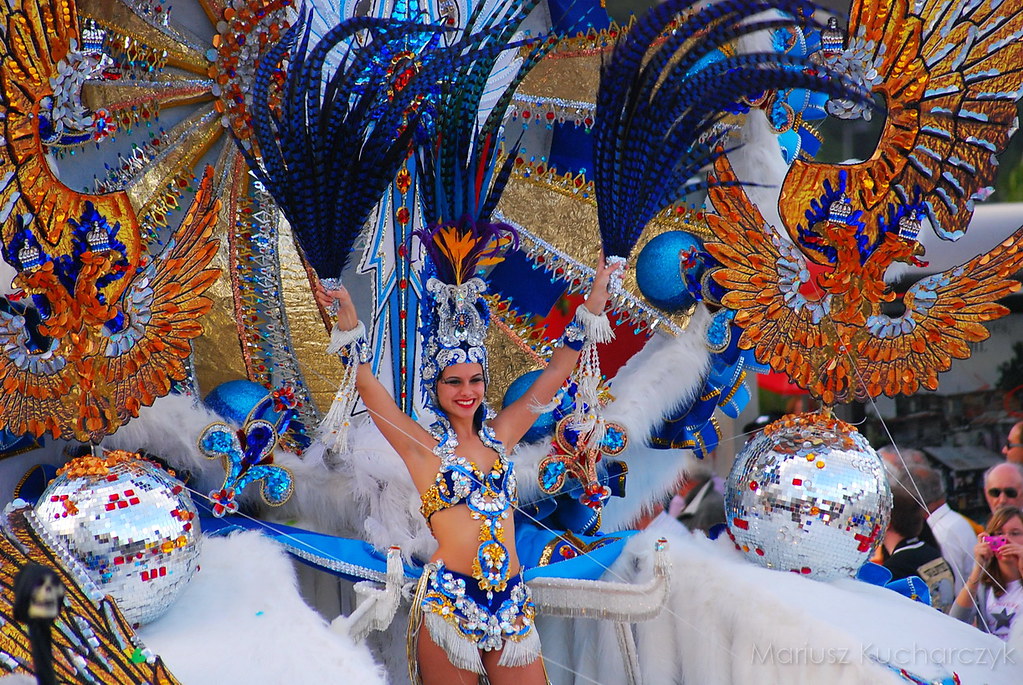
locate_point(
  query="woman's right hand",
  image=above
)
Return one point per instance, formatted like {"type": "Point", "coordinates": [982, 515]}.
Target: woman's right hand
{"type": "Point", "coordinates": [982, 552]}
{"type": "Point", "coordinates": [347, 317]}
{"type": "Point", "coordinates": [597, 298]}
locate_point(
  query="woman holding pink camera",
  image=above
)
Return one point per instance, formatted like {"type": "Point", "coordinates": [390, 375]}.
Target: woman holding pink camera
{"type": "Point", "coordinates": [993, 594]}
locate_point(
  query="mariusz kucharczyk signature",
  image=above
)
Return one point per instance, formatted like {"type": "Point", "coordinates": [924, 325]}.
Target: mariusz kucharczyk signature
{"type": "Point", "coordinates": [900, 657]}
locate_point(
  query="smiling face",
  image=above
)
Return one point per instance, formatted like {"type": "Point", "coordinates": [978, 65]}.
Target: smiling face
{"type": "Point", "coordinates": [460, 390]}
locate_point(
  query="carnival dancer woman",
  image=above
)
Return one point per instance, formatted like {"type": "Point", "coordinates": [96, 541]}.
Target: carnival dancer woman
{"type": "Point", "coordinates": [472, 600]}
{"type": "Point", "coordinates": [994, 591]}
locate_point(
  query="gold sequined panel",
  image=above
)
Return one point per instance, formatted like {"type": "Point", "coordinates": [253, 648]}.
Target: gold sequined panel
{"type": "Point", "coordinates": [309, 334]}
{"type": "Point", "coordinates": [169, 94]}
{"type": "Point", "coordinates": [571, 71]}
{"type": "Point", "coordinates": [194, 137]}
{"type": "Point", "coordinates": [217, 354]}
{"type": "Point", "coordinates": [104, 647]}
{"type": "Point", "coordinates": [512, 349]}
{"type": "Point", "coordinates": [564, 77]}
{"type": "Point", "coordinates": [117, 15]}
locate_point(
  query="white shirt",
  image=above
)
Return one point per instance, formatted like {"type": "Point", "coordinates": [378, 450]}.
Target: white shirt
{"type": "Point", "coordinates": [999, 612]}
{"type": "Point", "coordinates": [957, 539]}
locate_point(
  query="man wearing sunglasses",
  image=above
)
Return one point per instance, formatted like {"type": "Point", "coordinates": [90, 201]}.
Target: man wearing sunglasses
{"type": "Point", "coordinates": [1013, 447]}
{"type": "Point", "coordinates": [1003, 486]}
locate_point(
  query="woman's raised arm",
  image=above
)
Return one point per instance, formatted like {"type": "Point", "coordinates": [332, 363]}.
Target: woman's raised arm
{"type": "Point", "coordinates": [407, 437]}
{"type": "Point", "coordinates": [512, 422]}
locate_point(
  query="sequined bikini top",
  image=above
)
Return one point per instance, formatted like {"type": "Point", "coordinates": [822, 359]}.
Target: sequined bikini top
{"type": "Point", "coordinates": [489, 496]}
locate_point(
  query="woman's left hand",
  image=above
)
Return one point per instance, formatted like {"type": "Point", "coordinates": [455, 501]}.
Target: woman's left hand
{"type": "Point", "coordinates": [597, 299]}
{"type": "Point", "coordinates": [1011, 551]}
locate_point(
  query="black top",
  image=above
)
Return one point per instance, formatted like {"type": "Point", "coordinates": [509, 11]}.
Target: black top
{"type": "Point", "coordinates": [914, 557]}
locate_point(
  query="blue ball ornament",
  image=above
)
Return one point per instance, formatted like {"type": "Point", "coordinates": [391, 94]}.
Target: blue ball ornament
{"type": "Point", "coordinates": [668, 268]}
{"type": "Point", "coordinates": [544, 424]}
{"type": "Point", "coordinates": [234, 400]}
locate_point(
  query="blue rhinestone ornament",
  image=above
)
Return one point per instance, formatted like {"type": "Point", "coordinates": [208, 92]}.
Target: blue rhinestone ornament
{"type": "Point", "coordinates": [669, 268]}
{"type": "Point", "coordinates": [808, 494]}
{"type": "Point", "coordinates": [247, 456]}
{"type": "Point", "coordinates": [567, 460]}
{"type": "Point", "coordinates": [238, 400]}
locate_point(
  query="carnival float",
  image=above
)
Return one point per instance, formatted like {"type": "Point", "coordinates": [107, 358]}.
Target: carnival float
{"type": "Point", "coordinates": [203, 478]}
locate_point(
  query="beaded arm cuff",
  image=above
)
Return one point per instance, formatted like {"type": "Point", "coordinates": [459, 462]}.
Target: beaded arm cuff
{"type": "Point", "coordinates": [587, 327]}
{"type": "Point", "coordinates": [351, 344]}
{"type": "Point", "coordinates": [575, 336]}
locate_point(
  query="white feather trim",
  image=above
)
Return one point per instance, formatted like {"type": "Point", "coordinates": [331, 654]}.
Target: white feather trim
{"type": "Point", "coordinates": [240, 619]}
{"type": "Point", "coordinates": [642, 399]}
{"type": "Point", "coordinates": [759, 158]}
{"type": "Point", "coordinates": [729, 621]}
{"type": "Point", "coordinates": [170, 429]}
{"type": "Point", "coordinates": [368, 494]}
{"type": "Point", "coordinates": [340, 339]}
{"type": "Point", "coordinates": [527, 458]}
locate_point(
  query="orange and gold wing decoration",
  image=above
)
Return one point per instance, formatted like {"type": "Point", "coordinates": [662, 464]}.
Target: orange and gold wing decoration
{"type": "Point", "coordinates": [99, 327]}
{"type": "Point", "coordinates": [39, 39]}
{"type": "Point", "coordinates": [108, 112]}
{"type": "Point", "coordinates": [784, 318]}
{"type": "Point", "coordinates": [949, 74]}
{"type": "Point", "coordinates": [944, 315]}
{"type": "Point", "coordinates": [92, 373]}
{"type": "Point", "coordinates": [92, 641]}
{"type": "Point", "coordinates": [165, 302]}
{"type": "Point", "coordinates": [836, 342]}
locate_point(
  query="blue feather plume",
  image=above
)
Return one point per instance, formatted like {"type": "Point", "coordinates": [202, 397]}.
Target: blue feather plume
{"type": "Point", "coordinates": [344, 126]}
{"type": "Point", "coordinates": [660, 102]}
{"type": "Point", "coordinates": [460, 175]}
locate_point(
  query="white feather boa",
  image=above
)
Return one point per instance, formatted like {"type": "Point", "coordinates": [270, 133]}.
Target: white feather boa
{"type": "Point", "coordinates": [241, 620]}
{"type": "Point", "coordinates": [729, 621]}
{"type": "Point", "coordinates": [170, 429]}
{"type": "Point", "coordinates": [664, 376]}
{"type": "Point", "coordinates": [368, 495]}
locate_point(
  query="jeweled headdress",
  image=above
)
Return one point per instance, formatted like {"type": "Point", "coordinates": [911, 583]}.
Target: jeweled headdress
{"type": "Point", "coordinates": [455, 320]}
{"type": "Point", "coordinates": [462, 174]}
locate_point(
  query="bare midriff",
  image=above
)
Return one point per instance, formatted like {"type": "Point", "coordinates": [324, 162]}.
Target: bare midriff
{"type": "Point", "coordinates": [458, 538]}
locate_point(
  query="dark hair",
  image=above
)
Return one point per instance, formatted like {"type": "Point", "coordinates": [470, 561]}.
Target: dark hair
{"type": "Point", "coordinates": [992, 573]}
{"type": "Point", "coordinates": [907, 515]}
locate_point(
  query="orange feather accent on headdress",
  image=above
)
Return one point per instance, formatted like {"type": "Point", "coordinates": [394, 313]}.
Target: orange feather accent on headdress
{"type": "Point", "coordinates": [456, 246]}
{"type": "Point", "coordinates": [494, 253]}
{"type": "Point", "coordinates": [459, 247]}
